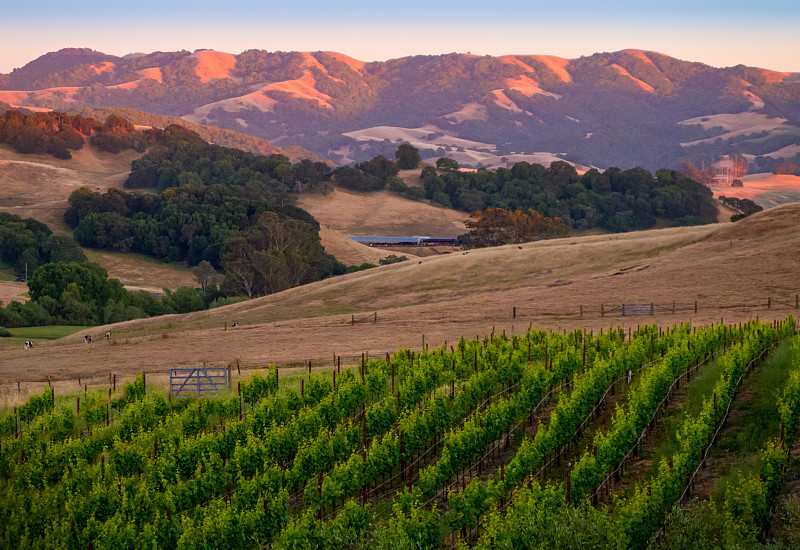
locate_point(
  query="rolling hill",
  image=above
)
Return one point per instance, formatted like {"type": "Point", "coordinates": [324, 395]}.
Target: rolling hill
{"type": "Point", "coordinates": [627, 108]}
{"type": "Point", "coordinates": [729, 269]}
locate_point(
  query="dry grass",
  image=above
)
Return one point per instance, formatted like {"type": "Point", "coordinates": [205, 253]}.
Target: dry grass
{"type": "Point", "coordinates": [730, 269]}
{"type": "Point", "coordinates": [138, 272]}
{"type": "Point", "coordinates": [382, 214]}
{"type": "Point", "coordinates": [38, 186]}
{"type": "Point", "coordinates": [12, 290]}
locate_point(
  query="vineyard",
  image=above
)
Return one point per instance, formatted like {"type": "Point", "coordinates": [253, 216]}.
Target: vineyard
{"type": "Point", "coordinates": [556, 440]}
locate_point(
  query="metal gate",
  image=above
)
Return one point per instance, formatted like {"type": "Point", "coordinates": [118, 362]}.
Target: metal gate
{"type": "Point", "coordinates": [637, 309]}
{"type": "Point", "coordinates": [197, 381]}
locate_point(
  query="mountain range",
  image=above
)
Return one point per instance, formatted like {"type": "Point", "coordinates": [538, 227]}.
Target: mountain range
{"type": "Point", "coordinates": [627, 108]}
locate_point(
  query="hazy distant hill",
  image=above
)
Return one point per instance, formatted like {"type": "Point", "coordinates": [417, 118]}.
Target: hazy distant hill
{"type": "Point", "coordinates": [627, 108]}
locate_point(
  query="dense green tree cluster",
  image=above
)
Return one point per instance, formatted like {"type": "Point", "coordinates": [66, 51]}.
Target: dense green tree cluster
{"type": "Point", "coordinates": [187, 223]}
{"type": "Point", "coordinates": [27, 244]}
{"type": "Point", "coordinates": [371, 175]}
{"type": "Point", "coordinates": [615, 200]}
{"type": "Point", "coordinates": [181, 157]}
{"type": "Point", "coordinates": [73, 293]}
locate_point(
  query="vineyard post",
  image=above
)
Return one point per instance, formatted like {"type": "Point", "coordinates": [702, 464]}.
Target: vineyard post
{"type": "Point", "coordinates": [363, 380]}
{"type": "Point", "coordinates": [79, 382]}
{"type": "Point", "coordinates": [352, 320]}
{"type": "Point", "coordinates": [339, 363]}
{"type": "Point", "coordinates": [402, 449]}
{"type": "Point", "coordinates": [514, 313]}
{"type": "Point", "coordinates": [581, 311]}
{"type": "Point", "coordinates": [392, 379]}
{"type": "Point", "coordinates": [19, 390]}
{"type": "Point", "coordinates": [569, 482]}
{"type": "Point", "coordinates": [319, 489]}
{"type": "Point", "coordinates": [16, 424]}
{"type": "Point", "coordinates": [78, 406]}
{"type": "Point", "coordinates": [715, 413]}
{"type": "Point", "coordinates": [695, 306]}
{"type": "Point", "coordinates": [797, 301]}
{"type": "Point", "coordinates": [303, 389]}
{"type": "Point", "coordinates": [144, 379]}
{"type": "Point", "coordinates": [334, 379]}
{"type": "Point", "coordinates": [375, 318]}
{"type": "Point", "coordinates": [602, 311]}
{"type": "Point", "coordinates": [309, 369]}
{"type": "Point", "coordinates": [364, 487]}
{"type": "Point", "coordinates": [114, 386]}
{"type": "Point", "coordinates": [769, 302]}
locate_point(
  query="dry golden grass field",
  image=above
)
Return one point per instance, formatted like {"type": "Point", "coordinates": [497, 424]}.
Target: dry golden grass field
{"type": "Point", "coordinates": [729, 269]}
{"type": "Point", "coordinates": [38, 186]}
{"type": "Point", "coordinates": [382, 213]}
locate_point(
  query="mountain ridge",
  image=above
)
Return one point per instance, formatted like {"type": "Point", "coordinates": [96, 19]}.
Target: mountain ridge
{"type": "Point", "coordinates": [626, 108]}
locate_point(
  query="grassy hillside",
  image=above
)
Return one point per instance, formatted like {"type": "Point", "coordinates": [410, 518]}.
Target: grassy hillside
{"type": "Point", "coordinates": [729, 269]}
{"type": "Point", "coordinates": [38, 186]}
{"type": "Point", "coordinates": [383, 214]}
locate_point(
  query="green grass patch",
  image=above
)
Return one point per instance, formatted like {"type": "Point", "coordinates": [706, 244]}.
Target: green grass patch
{"type": "Point", "coordinates": [756, 419]}
{"type": "Point", "coordinates": [701, 388]}
{"type": "Point", "coordinates": [50, 332]}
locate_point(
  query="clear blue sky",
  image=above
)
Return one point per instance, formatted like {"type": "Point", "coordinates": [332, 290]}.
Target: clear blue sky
{"type": "Point", "coordinates": [720, 33]}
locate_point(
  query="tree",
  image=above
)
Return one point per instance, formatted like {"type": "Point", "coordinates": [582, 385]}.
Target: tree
{"type": "Point", "coordinates": [204, 274]}
{"type": "Point", "coordinates": [496, 226]}
{"type": "Point", "coordinates": [445, 163]}
{"type": "Point", "coordinates": [407, 157]}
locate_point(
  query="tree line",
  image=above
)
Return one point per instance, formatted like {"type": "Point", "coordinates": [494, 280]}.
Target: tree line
{"type": "Point", "coordinates": [81, 293]}
{"type": "Point", "coordinates": [58, 134]}
{"type": "Point", "coordinates": [615, 200]}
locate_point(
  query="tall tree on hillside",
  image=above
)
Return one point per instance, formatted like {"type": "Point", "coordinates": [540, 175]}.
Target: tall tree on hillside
{"type": "Point", "coordinates": [407, 157]}
{"type": "Point", "coordinates": [497, 226]}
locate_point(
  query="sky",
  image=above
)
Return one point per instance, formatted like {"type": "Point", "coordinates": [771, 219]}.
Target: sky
{"type": "Point", "coordinates": [719, 33]}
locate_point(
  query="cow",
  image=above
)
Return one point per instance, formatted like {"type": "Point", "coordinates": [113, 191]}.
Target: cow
{"type": "Point", "coordinates": [108, 335]}
{"type": "Point", "coordinates": [234, 325]}
{"type": "Point", "coordinates": [28, 345]}
{"type": "Point", "coordinates": [87, 339]}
